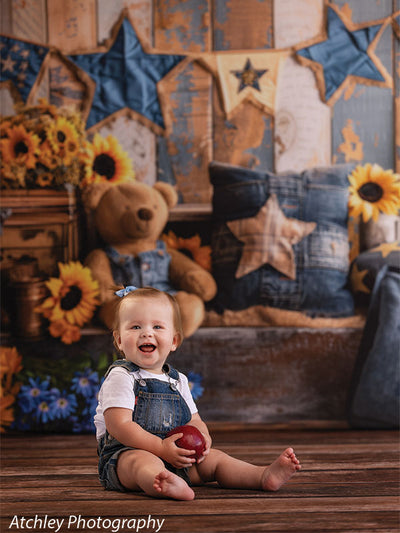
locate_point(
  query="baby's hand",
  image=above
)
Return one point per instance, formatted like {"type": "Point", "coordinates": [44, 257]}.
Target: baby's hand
{"type": "Point", "coordinates": [208, 440]}
{"type": "Point", "coordinates": [177, 457]}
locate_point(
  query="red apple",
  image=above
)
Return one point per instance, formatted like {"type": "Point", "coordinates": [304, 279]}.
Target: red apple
{"type": "Point", "coordinates": [192, 439]}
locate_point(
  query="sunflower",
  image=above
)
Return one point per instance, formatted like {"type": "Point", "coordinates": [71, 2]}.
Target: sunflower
{"type": "Point", "coordinates": [6, 412]}
{"type": "Point", "coordinates": [67, 332]}
{"type": "Point", "coordinates": [106, 161]}
{"type": "Point", "coordinates": [191, 247]}
{"type": "Point", "coordinates": [20, 147]}
{"type": "Point", "coordinates": [64, 139]}
{"type": "Point", "coordinates": [44, 178]}
{"type": "Point", "coordinates": [73, 296]}
{"type": "Point", "coordinates": [10, 365]}
{"type": "Point", "coordinates": [373, 190]}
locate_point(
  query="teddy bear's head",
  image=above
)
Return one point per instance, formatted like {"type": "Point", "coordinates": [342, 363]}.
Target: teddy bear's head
{"type": "Point", "coordinates": [132, 211]}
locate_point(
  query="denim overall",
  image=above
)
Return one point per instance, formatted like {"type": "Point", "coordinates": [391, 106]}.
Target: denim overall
{"type": "Point", "coordinates": [159, 408]}
{"type": "Point", "coordinates": [149, 268]}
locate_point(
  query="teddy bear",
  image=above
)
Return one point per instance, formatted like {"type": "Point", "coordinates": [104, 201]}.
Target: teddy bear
{"type": "Point", "coordinates": [129, 217]}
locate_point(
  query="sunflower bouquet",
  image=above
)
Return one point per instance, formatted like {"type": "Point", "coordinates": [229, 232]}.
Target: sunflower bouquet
{"type": "Point", "coordinates": [372, 191]}
{"type": "Point", "coordinates": [72, 301]}
{"type": "Point", "coordinates": [42, 146]}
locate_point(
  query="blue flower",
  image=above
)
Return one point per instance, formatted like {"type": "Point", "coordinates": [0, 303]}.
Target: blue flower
{"type": "Point", "coordinates": [90, 408]}
{"type": "Point", "coordinates": [44, 412]}
{"type": "Point", "coordinates": [85, 425]}
{"type": "Point", "coordinates": [195, 385]}
{"type": "Point", "coordinates": [86, 383]}
{"type": "Point", "coordinates": [63, 404]}
{"type": "Point", "coordinates": [30, 396]}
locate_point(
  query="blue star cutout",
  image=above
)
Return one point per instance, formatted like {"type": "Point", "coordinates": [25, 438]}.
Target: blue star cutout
{"type": "Point", "coordinates": [20, 63]}
{"type": "Point", "coordinates": [249, 76]}
{"type": "Point", "coordinates": [343, 54]}
{"type": "Point", "coordinates": [126, 76]}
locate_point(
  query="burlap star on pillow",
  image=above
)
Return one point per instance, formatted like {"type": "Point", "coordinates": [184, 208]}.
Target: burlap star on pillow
{"type": "Point", "coordinates": [268, 238]}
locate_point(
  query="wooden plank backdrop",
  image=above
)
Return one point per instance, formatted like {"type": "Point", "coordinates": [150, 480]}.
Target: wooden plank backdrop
{"type": "Point", "coordinates": [349, 482]}
{"type": "Point", "coordinates": [362, 126]}
{"type": "Point", "coordinates": [362, 122]}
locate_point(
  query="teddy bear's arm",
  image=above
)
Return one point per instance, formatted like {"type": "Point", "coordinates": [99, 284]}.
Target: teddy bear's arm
{"type": "Point", "coordinates": [191, 277]}
{"type": "Point", "coordinates": [99, 264]}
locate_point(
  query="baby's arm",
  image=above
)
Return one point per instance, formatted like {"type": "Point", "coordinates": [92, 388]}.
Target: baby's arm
{"type": "Point", "coordinates": [120, 425]}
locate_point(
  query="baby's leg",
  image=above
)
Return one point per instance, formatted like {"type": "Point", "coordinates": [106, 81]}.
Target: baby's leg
{"type": "Point", "coordinates": [141, 470]}
{"type": "Point", "coordinates": [233, 473]}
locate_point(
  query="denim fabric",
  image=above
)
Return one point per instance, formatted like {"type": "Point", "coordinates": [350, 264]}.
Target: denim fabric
{"type": "Point", "coordinates": [374, 397]}
{"type": "Point", "coordinates": [158, 409]}
{"type": "Point", "coordinates": [322, 258]}
{"type": "Point", "coordinates": [149, 269]}
{"type": "Point", "coordinates": [371, 262]}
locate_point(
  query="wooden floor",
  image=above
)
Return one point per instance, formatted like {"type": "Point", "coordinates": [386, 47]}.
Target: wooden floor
{"type": "Point", "coordinates": [349, 482]}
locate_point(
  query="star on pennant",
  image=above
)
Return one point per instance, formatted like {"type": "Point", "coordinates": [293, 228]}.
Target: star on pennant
{"type": "Point", "coordinates": [15, 56]}
{"type": "Point", "coordinates": [269, 238]}
{"type": "Point", "coordinates": [347, 52]}
{"type": "Point", "coordinates": [126, 77]}
{"type": "Point", "coordinates": [249, 76]}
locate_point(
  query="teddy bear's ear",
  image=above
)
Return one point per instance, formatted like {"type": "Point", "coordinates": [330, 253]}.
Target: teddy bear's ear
{"type": "Point", "coordinates": [92, 194]}
{"type": "Point", "coordinates": [167, 192]}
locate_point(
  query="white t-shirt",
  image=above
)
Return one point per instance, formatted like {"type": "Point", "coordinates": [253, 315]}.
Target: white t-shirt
{"type": "Point", "coordinates": [118, 391]}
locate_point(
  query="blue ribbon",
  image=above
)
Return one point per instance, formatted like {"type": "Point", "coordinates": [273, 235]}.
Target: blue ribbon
{"type": "Point", "coordinates": [126, 290]}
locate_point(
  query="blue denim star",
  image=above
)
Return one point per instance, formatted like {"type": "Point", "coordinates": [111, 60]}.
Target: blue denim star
{"type": "Point", "coordinates": [126, 76]}
{"type": "Point", "coordinates": [344, 53]}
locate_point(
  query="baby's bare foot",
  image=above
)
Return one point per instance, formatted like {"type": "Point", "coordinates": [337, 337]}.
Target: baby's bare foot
{"type": "Point", "coordinates": [281, 470]}
{"type": "Point", "coordinates": [169, 485]}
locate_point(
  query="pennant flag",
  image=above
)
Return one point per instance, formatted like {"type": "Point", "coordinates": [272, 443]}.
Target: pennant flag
{"type": "Point", "coordinates": [249, 76]}
{"type": "Point", "coordinates": [246, 76]}
{"type": "Point", "coordinates": [347, 52]}
{"type": "Point", "coordinates": [126, 77]}
{"type": "Point", "coordinates": [21, 64]}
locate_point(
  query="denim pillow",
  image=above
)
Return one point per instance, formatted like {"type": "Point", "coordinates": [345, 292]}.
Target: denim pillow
{"type": "Point", "coordinates": [322, 258]}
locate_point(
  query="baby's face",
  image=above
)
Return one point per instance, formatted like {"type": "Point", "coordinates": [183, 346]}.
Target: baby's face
{"type": "Point", "coordinates": [147, 334]}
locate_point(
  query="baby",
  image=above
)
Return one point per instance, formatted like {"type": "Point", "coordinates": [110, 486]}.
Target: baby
{"type": "Point", "coordinates": [143, 398]}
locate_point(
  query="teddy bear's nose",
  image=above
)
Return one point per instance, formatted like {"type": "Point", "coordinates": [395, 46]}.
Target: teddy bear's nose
{"type": "Point", "coordinates": [145, 214]}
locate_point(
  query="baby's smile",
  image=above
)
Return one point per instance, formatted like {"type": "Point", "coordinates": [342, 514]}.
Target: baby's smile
{"type": "Point", "coordinates": [147, 348]}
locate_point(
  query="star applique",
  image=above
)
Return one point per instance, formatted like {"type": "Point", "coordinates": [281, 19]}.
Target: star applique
{"type": "Point", "coordinates": [249, 76]}
{"type": "Point", "coordinates": [387, 248]}
{"type": "Point", "coordinates": [15, 57]}
{"type": "Point", "coordinates": [126, 77]}
{"type": "Point", "coordinates": [357, 280]}
{"type": "Point", "coordinates": [269, 238]}
{"type": "Point", "coordinates": [347, 52]}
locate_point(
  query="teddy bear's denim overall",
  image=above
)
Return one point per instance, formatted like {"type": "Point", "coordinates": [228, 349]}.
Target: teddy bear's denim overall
{"type": "Point", "coordinates": [149, 268]}
{"type": "Point", "coordinates": [159, 408]}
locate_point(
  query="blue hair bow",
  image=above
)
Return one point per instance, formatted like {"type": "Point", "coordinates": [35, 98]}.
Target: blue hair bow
{"type": "Point", "coordinates": [126, 290]}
